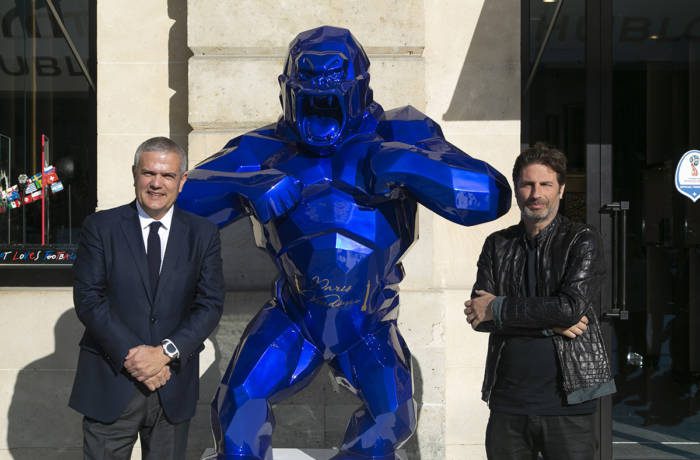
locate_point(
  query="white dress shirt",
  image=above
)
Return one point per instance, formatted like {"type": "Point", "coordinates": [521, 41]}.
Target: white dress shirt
{"type": "Point", "coordinates": [163, 231]}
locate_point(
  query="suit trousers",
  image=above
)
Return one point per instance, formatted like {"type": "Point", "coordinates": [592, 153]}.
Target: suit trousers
{"type": "Point", "coordinates": [556, 437]}
{"type": "Point", "coordinates": [144, 418]}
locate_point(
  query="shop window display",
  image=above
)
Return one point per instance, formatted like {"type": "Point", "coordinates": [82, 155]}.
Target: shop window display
{"type": "Point", "coordinates": [47, 136]}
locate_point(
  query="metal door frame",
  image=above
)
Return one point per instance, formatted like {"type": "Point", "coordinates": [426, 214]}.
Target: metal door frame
{"type": "Point", "coordinates": [599, 165]}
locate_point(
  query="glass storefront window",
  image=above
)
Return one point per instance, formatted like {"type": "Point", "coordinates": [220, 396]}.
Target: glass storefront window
{"type": "Point", "coordinates": [47, 130]}
{"type": "Point", "coordinates": [554, 106]}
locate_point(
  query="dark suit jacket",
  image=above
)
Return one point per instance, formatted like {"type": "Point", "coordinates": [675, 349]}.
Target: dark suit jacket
{"type": "Point", "coordinates": [114, 301]}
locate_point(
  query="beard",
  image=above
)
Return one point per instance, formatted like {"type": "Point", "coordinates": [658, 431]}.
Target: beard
{"type": "Point", "coordinates": [538, 215]}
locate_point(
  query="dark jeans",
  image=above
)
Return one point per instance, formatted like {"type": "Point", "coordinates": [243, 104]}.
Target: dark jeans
{"type": "Point", "coordinates": [556, 437]}
{"type": "Point", "coordinates": [143, 417]}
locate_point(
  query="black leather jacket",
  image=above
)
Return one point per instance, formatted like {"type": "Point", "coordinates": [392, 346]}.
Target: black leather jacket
{"type": "Point", "coordinates": [570, 268]}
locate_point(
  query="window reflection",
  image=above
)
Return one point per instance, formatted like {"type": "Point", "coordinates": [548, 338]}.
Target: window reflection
{"type": "Point", "coordinates": [47, 109]}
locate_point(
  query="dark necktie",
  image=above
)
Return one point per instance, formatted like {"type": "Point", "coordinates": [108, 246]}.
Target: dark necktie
{"type": "Point", "coordinates": [153, 254]}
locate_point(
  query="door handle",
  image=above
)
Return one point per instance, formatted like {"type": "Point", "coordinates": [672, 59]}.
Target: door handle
{"type": "Point", "coordinates": [618, 212]}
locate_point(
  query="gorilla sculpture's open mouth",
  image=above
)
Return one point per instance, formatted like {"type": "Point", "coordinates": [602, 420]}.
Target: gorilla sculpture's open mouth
{"type": "Point", "coordinates": [322, 118]}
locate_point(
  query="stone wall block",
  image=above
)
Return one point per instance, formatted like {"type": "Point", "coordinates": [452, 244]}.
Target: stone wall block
{"type": "Point", "coordinates": [429, 375]}
{"type": "Point", "coordinates": [398, 81]}
{"type": "Point", "coordinates": [227, 24]}
{"type": "Point", "coordinates": [428, 442]}
{"type": "Point", "coordinates": [465, 346]}
{"type": "Point", "coordinates": [227, 92]}
{"type": "Point", "coordinates": [224, 92]}
{"type": "Point", "coordinates": [464, 407]}
{"type": "Point", "coordinates": [205, 143]}
{"type": "Point", "coordinates": [115, 42]}
{"type": "Point", "coordinates": [421, 318]}
{"type": "Point", "coordinates": [39, 332]}
{"type": "Point", "coordinates": [135, 99]}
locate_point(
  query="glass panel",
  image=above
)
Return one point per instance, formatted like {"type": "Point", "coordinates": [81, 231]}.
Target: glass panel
{"type": "Point", "coordinates": [47, 113]}
{"type": "Point", "coordinates": [656, 86]}
{"type": "Point", "coordinates": [555, 101]}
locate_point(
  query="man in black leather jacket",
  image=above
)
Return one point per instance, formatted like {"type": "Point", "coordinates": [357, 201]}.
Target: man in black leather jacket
{"type": "Point", "coordinates": [538, 292]}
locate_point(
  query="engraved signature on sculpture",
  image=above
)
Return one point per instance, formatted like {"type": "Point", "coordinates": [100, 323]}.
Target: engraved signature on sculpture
{"type": "Point", "coordinates": [332, 295]}
{"type": "Point", "coordinates": [333, 301]}
{"type": "Point", "coordinates": [325, 285]}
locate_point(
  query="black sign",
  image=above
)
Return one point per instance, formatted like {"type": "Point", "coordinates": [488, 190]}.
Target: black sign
{"type": "Point", "coordinates": [31, 255]}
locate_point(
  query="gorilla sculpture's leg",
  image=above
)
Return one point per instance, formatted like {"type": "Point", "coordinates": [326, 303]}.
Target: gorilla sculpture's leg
{"type": "Point", "coordinates": [379, 367]}
{"type": "Point", "coordinates": [272, 361]}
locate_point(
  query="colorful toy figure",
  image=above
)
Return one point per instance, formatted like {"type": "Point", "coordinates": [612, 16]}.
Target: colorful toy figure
{"type": "Point", "coordinates": [334, 186]}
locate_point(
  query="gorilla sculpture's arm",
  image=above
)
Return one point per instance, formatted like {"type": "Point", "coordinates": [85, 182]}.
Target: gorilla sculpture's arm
{"type": "Point", "coordinates": [233, 183]}
{"type": "Point", "coordinates": [223, 197]}
{"type": "Point", "coordinates": [443, 178]}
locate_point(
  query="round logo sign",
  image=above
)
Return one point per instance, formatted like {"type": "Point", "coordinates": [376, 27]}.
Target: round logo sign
{"type": "Point", "coordinates": [688, 175]}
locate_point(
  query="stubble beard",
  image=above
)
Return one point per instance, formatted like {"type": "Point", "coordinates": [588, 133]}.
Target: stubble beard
{"type": "Point", "coordinates": [534, 217]}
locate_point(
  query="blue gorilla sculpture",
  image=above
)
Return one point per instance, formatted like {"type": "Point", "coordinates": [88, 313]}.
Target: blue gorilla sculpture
{"type": "Point", "coordinates": [334, 185]}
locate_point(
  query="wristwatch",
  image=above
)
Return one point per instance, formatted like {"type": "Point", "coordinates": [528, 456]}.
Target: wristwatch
{"type": "Point", "coordinates": [170, 349]}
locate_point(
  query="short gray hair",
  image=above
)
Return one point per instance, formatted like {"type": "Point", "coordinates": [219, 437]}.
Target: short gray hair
{"type": "Point", "coordinates": [161, 144]}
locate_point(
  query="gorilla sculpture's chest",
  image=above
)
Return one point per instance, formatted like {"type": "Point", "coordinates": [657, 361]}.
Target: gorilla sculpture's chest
{"type": "Point", "coordinates": [339, 235]}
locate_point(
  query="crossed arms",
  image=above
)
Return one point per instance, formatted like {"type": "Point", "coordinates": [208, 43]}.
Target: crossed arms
{"type": "Point", "coordinates": [564, 312]}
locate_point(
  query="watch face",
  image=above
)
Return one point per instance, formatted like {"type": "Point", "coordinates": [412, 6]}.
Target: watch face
{"type": "Point", "coordinates": [170, 348]}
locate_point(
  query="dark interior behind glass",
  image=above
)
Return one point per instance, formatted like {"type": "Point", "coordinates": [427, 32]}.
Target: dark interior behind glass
{"type": "Point", "coordinates": [45, 93]}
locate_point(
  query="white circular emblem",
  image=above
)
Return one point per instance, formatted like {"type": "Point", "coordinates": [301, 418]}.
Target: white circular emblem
{"type": "Point", "coordinates": [688, 174]}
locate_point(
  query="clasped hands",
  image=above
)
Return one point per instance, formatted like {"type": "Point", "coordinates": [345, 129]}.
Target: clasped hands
{"type": "Point", "coordinates": [478, 310]}
{"type": "Point", "coordinates": [148, 365]}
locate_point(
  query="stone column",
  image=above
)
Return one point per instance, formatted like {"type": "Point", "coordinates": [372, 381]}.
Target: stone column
{"type": "Point", "coordinates": [472, 61]}
{"type": "Point", "coordinates": [141, 87]}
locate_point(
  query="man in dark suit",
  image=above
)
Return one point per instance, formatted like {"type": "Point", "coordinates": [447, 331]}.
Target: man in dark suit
{"type": "Point", "coordinates": [149, 289]}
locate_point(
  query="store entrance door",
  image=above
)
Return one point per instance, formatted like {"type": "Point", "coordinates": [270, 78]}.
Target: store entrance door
{"type": "Point", "coordinates": [616, 86]}
{"type": "Point", "coordinates": [655, 120]}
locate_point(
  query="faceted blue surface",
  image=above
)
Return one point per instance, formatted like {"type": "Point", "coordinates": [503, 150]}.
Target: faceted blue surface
{"type": "Point", "coordinates": [335, 185]}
